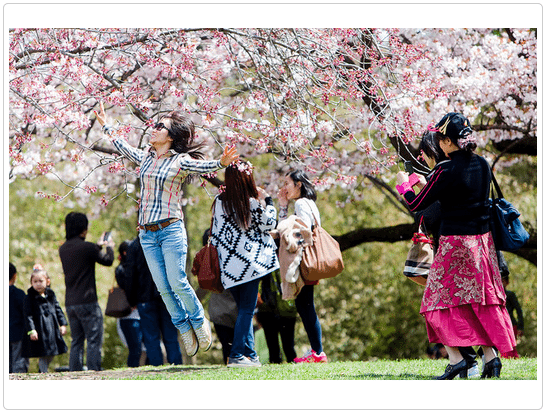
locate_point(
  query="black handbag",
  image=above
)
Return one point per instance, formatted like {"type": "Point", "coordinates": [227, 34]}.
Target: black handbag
{"type": "Point", "coordinates": [118, 304]}
{"type": "Point", "coordinates": [507, 230]}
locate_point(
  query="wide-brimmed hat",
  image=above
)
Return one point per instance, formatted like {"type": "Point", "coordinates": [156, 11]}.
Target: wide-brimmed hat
{"type": "Point", "coordinates": [454, 126]}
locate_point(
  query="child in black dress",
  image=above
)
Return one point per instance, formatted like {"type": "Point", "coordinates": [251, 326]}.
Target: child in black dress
{"type": "Point", "coordinates": [45, 320]}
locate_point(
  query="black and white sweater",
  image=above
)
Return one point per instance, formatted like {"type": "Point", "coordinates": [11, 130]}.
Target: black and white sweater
{"type": "Point", "coordinates": [245, 255]}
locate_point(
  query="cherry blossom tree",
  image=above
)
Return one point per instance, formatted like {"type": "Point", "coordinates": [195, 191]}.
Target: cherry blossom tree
{"type": "Point", "coordinates": [345, 104]}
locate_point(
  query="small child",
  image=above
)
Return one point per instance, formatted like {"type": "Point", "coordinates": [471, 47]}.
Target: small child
{"type": "Point", "coordinates": [17, 339]}
{"type": "Point", "coordinates": [45, 320]}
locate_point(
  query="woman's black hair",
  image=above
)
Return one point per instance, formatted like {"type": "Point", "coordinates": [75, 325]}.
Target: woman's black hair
{"type": "Point", "coordinates": [457, 128]}
{"type": "Point", "coordinates": [307, 188]}
{"type": "Point", "coordinates": [124, 247]}
{"type": "Point", "coordinates": [430, 146]}
{"type": "Point", "coordinates": [75, 223]}
{"type": "Point", "coordinates": [182, 132]}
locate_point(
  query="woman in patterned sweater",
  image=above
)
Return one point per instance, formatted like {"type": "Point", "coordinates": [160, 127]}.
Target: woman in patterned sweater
{"type": "Point", "coordinates": [243, 217]}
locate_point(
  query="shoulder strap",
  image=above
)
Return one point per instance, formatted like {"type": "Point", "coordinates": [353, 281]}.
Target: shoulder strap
{"type": "Point", "coordinates": [312, 212]}
{"type": "Point", "coordinates": [495, 184]}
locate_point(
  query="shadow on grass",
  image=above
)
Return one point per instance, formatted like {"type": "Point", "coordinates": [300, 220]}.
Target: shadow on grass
{"type": "Point", "coordinates": [404, 376]}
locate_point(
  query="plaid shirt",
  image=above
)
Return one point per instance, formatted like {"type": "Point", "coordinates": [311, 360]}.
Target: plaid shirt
{"type": "Point", "coordinates": [161, 179]}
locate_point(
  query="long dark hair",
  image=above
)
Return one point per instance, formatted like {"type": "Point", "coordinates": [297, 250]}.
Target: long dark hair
{"type": "Point", "coordinates": [307, 188]}
{"type": "Point", "coordinates": [239, 188]}
{"type": "Point", "coordinates": [182, 132]}
{"type": "Point", "coordinates": [430, 146]}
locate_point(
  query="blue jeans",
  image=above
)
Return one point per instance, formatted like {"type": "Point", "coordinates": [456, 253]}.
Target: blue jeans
{"type": "Point", "coordinates": [154, 322]}
{"type": "Point", "coordinates": [166, 251]}
{"type": "Point", "coordinates": [86, 322]}
{"type": "Point", "coordinates": [245, 296]}
{"type": "Point", "coordinates": [133, 335]}
{"type": "Point", "coordinates": [304, 302]}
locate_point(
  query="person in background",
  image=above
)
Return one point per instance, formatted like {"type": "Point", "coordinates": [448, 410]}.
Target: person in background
{"type": "Point", "coordinates": [155, 321]}
{"type": "Point", "coordinates": [45, 321]}
{"type": "Point", "coordinates": [165, 165]}
{"type": "Point", "coordinates": [78, 258]}
{"type": "Point", "coordinates": [242, 217]}
{"type": "Point", "coordinates": [464, 301]}
{"type": "Point", "coordinates": [18, 339]}
{"type": "Point", "coordinates": [130, 324]}
{"type": "Point", "coordinates": [277, 317]}
{"type": "Point", "coordinates": [299, 188]}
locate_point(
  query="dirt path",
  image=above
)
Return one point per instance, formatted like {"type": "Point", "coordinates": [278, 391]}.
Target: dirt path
{"type": "Point", "coordinates": [101, 375]}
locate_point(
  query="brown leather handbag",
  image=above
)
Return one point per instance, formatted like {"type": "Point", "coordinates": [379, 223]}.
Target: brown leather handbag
{"type": "Point", "coordinates": [323, 259]}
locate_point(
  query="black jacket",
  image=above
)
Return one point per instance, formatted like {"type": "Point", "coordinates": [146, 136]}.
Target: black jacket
{"type": "Point", "coordinates": [78, 259]}
{"type": "Point", "coordinates": [462, 186]}
{"type": "Point", "coordinates": [44, 315]}
{"type": "Point", "coordinates": [135, 277]}
{"type": "Point", "coordinates": [16, 314]}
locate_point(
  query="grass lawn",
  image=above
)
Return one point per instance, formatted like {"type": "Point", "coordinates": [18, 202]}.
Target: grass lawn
{"type": "Point", "coordinates": [419, 369]}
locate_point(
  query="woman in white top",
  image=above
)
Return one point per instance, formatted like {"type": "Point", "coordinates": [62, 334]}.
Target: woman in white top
{"type": "Point", "coordinates": [298, 187]}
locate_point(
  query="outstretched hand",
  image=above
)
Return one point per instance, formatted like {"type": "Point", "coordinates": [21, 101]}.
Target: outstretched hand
{"type": "Point", "coordinates": [229, 155]}
{"type": "Point", "coordinates": [101, 116]}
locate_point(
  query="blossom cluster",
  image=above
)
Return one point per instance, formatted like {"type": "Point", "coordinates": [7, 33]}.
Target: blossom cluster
{"type": "Point", "coordinates": [341, 102]}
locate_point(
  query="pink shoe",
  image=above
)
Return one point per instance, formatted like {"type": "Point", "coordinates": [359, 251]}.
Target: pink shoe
{"type": "Point", "coordinates": [312, 357]}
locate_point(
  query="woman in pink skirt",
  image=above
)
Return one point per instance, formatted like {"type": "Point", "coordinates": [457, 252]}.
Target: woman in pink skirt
{"type": "Point", "coordinates": [464, 299]}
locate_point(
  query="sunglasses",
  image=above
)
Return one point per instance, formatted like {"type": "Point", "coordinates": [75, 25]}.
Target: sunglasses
{"type": "Point", "coordinates": [160, 126]}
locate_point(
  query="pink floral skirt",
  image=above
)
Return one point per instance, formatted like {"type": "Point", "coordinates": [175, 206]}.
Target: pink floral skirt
{"type": "Point", "coordinates": [464, 299]}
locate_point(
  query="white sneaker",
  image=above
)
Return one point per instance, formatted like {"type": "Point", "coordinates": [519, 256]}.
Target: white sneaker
{"type": "Point", "coordinates": [190, 342]}
{"type": "Point", "coordinates": [204, 335]}
{"type": "Point", "coordinates": [255, 361]}
{"type": "Point", "coordinates": [473, 371]}
{"type": "Point", "coordinates": [243, 362]}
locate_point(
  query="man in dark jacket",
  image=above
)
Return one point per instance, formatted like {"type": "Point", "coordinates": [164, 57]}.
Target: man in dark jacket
{"type": "Point", "coordinates": [78, 259]}
{"type": "Point", "coordinates": [155, 321]}
{"type": "Point", "coordinates": [17, 338]}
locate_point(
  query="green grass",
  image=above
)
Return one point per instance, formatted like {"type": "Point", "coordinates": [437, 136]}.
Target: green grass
{"type": "Point", "coordinates": [419, 369]}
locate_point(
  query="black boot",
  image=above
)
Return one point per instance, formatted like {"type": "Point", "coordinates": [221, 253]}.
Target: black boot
{"type": "Point", "coordinates": [452, 370]}
{"type": "Point", "coordinates": [492, 369]}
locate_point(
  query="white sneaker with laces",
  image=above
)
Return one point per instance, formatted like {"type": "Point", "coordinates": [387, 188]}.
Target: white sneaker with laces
{"type": "Point", "coordinates": [190, 342]}
{"type": "Point", "coordinates": [204, 335]}
{"type": "Point", "coordinates": [243, 362]}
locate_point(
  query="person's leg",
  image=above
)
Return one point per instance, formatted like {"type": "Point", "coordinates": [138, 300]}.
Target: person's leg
{"type": "Point", "coordinates": [43, 363]}
{"type": "Point", "coordinates": [133, 336]}
{"type": "Point", "coordinates": [77, 335]}
{"type": "Point", "coordinates": [17, 363]}
{"type": "Point", "coordinates": [225, 335]}
{"type": "Point", "coordinates": [151, 332]}
{"type": "Point", "coordinates": [174, 248]}
{"type": "Point", "coordinates": [165, 254]}
{"type": "Point", "coordinates": [245, 296]}
{"type": "Point", "coordinates": [93, 325]}
{"type": "Point", "coordinates": [304, 303]}
{"type": "Point", "coordinates": [270, 325]}
{"type": "Point", "coordinates": [170, 336]}
{"type": "Point", "coordinates": [287, 334]}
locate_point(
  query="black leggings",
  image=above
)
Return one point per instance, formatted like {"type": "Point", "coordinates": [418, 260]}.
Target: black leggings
{"type": "Point", "coordinates": [272, 326]}
{"type": "Point", "coordinates": [304, 303]}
